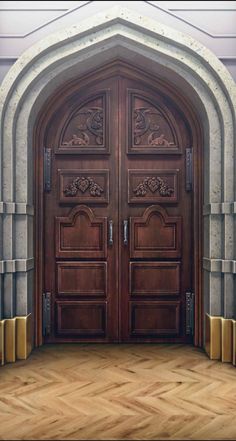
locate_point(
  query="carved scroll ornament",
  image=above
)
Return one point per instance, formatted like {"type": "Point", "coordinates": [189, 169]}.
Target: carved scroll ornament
{"type": "Point", "coordinates": [153, 184]}
{"type": "Point", "coordinates": [83, 183]}
{"type": "Point", "coordinates": [93, 124]}
{"type": "Point", "coordinates": [143, 124]}
{"type": "Point", "coordinates": [155, 140]}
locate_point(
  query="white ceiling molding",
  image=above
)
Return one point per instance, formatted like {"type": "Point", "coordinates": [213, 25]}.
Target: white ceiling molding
{"type": "Point", "coordinates": [38, 5]}
{"type": "Point", "coordinates": [202, 5]}
{"type": "Point", "coordinates": [153, 4]}
{"type": "Point", "coordinates": [199, 28]}
{"type": "Point", "coordinates": [46, 23]}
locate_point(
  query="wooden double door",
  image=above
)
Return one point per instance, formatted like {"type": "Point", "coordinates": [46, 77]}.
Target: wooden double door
{"type": "Point", "coordinates": [117, 215]}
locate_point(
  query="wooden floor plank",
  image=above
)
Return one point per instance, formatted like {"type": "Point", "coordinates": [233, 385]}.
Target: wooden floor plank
{"type": "Point", "coordinates": [117, 392]}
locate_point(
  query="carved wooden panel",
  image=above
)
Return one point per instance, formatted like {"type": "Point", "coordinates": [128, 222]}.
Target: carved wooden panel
{"type": "Point", "coordinates": [84, 186]}
{"type": "Point", "coordinates": [81, 234]}
{"type": "Point", "coordinates": [155, 318]}
{"type": "Point", "coordinates": [154, 278]}
{"type": "Point", "coordinates": [155, 234]}
{"type": "Point", "coordinates": [81, 318]}
{"type": "Point", "coordinates": [82, 279]}
{"type": "Point", "coordinates": [152, 186]}
{"type": "Point", "coordinates": [152, 128]}
{"type": "Point", "coordinates": [85, 131]}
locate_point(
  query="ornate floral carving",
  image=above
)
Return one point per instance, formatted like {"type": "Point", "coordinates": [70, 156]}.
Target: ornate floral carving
{"type": "Point", "coordinates": [89, 120]}
{"type": "Point", "coordinates": [154, 184]}
{"type": "Point", "coordinates": [143, 122]}
{"type": "Point", "coordinates": [83, 183]}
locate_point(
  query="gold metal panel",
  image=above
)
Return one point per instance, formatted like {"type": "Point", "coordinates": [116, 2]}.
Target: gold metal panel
{"type": "Point", "coordinates": [234, 341]}
{"type": "Point", "coordinates": [10, 340]}
{"type": "Point", "coordinates": [227, 340]}
{"type": "Point", "coordinates": [23, 337]}
{"type": "Point", "coordinates": [2, 348]}
{"type": "Point", "coordinates": [213, 337]}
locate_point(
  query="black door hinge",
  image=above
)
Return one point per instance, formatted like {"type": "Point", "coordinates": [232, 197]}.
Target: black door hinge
{"type": "Point", "coordinates": [46, 314]}
{"type": "Point", "coordinates": [47, 167]}
{"type": "Point", "coordinates": [190, 303]}
{"type": "Point", "coordinates": [189, 168]}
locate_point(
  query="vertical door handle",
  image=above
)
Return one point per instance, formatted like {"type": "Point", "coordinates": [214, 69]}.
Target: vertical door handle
{"type": "Point", "coordinates": [110, 232]}
{"type": "Point", "coordinates": [125, 226]}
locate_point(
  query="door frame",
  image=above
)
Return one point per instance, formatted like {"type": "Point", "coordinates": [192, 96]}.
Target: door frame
{"type": "Point", "coordinates": [190, 116]}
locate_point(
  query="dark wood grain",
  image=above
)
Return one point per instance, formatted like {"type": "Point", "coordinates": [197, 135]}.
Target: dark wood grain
{"type": "Point", "coordinates": [83, 137]}
{"type": "Point", "coordinates": [118, 140]}
{"type": "Point", "coordinates": [82, 279]}
{"type": "Point", "coordinates": [154, 278]}
{"type": "Point", "coordinates": [150, 319]}
{"type": "Point", "coordinates": [155, 234]}
{"type": "Point", "coordinates": [155, 138]}
{"type": "Point", "coordinates": [81, 234]}
{"type": "Point", "coordinates": [81, 318]}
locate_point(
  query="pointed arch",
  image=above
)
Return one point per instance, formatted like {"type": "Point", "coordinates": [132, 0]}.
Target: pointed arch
{"type": "Point", "coordinates": [204, 81]}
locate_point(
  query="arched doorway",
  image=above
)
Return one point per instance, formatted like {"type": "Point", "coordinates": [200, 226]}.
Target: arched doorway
{"type": "Point", "coordinates": [179, 62]}
{"type": "Point", "coordinates": [120, 210]}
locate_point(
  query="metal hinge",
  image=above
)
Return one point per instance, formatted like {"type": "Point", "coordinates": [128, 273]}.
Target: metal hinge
{"type": "Point", "coordinates": [189, 168]}
{"type": "Point", "coordinates": [190, 313]}
{"type": "Point", "coordinates": [46, 313]}
{"type": "Point", "coordinates": [47, 169]}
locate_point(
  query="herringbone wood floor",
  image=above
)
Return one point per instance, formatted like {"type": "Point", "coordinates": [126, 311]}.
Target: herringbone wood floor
{"type": "Point", "coordinates": [118, 392]}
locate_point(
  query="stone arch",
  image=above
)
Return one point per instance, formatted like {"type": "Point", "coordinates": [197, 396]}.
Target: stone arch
{"type": "Point", "coordinates": [205, 82]}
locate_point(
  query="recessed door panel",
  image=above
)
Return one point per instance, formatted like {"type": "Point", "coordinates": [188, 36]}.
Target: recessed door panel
{"type": "Point", "coordinates": [152, 186]}
{"type": "Point", "coordinates": [82, 279]}
{"type": "Point", "coordinates": [155, 234]}
{"type": "Point", "coordinates": [85, 128]}
{"type": "Point", "coordinates": [81, 234]}
{"type": "Point", "coordinates": [83, 186]}
{"type": "Point", "coordinates": [153, 129]}
{"type": "Point", "coordinates": [148, 319]}
{"type": "Point", "coordinates": [81, 319]}
{"type": "Point", "coordinates": [154, 279]}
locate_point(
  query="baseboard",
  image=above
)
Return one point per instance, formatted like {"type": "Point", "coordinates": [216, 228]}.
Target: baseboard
{"type": "Point", "coordinates": [213, 337]}
{"type": "Point", "coordinates": [220, 339]}
{"type": "Point", "coordinates": [15, 339]}
{"type": "Point", "coordinates": [2, 342]}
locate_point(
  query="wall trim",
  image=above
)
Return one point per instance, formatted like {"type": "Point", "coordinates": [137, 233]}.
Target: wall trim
{"type": "Point", "coordinates": [15, 339]}
{"type": "Point", "coordinates": [16, 266]}
{"type": "Point", "coordinates": [14, 58]}
{"type": "Point", "coordinates": [219, 208]}
{"type": "Point", "coordinates": [16, 208]}
{"type": "Point", "coordinates": [219, 265]}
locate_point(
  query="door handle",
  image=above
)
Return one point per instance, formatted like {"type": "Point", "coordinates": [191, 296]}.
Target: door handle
{"type": "Point", "coordinates": [125, 226]}
{"type": "Point", "coordinates": [110, 232]}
